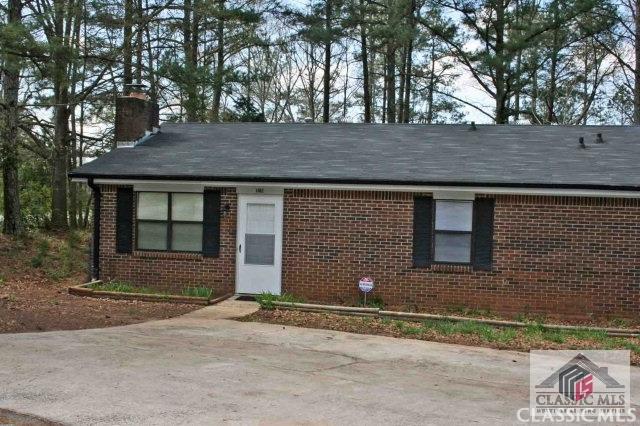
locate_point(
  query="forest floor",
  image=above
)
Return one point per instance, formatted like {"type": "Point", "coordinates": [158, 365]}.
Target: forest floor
{"type": "Point", "coordinates": [35, 273]}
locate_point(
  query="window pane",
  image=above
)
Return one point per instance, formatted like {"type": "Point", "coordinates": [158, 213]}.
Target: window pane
{"type": "Point", "coordinates": [153, 205]}
{"type": "Point", "coordinates": [186, 207]}
{"type": "Point", "coordinates": [260, 218]}
{"type": "Point", "coordinates": [186, 237]}
{"type": "Point", "coordinates": [453, 248]}
{"type": "Point", "coordinates": [259, 249]}
{"type": "Point", "coordinates": [152, 236]}
{"type": "Point", "coordinates": [454, 215]}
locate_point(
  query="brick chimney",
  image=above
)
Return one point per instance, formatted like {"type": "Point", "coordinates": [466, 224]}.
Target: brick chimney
{"type": "Point", "coordinates": [136, 116]}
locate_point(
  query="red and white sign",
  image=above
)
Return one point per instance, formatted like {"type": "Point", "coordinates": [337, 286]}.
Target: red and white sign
{"type": "Point", "coordinates": [365, 284]}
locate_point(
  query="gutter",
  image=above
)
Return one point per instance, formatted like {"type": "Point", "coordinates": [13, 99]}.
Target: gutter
{"type": "Point", "coordinates": [603, 191]}
{"type": "Point", "coordinates": [75, 176]}
{"type": "Point", "coordinates": [95, 247]}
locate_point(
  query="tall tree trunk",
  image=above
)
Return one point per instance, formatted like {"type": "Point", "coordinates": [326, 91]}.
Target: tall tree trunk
{"type": "Point", "coordinates": [364, 56]}
{"type": "Point", "coordinates": [405, 105]}
{"type": "Point", "coordinates": [432, 82]}
{"type": "Point", "coordinates": [384, 91]}
{"type": "Point", "coordinates": [153, 95]}
{"type": "Point", "coordinates": [12, 224]}
{"type": "Point", "coordinates": [59, 161]}
{"type": "Point", "coordinates": [553, 67]}
{"type": "Point", "coordinates": [400, 103]}
{"type": "Point", "coordinates": [60, 156]}
{"type": "Point", "coordinates": [502, 110]}
{"type": "Point", "coordinates": [516, 108]}
{"type": "Point", "coordinates": [326, 79]}
{"type": "Point", "coordinates": [139, 46]}
{"type": "Point", "coordinates": [219, 73]}
{"type": "Point", "coordinates": [636, 87]}
{"type": "Point", "coordinates": [390, 81]}
{"type": "Point", "coordinates": [407, 85]}
{"type": "Point", "coordinates": [533, 112]}
{"type": "Point", "coordinates": [127, 51]}
{"type": "Point", "coordinates": [190, 55]}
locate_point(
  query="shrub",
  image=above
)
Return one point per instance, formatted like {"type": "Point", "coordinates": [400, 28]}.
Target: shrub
{"type": "Point", "coordinates": [372, 302]}
{"type": "Point", "coordinates": [116, 286]}
{"type": "Point", "coordinates": [42, 251]}
{"type": "Point", "coordinates": [266, 299]}
{"type": "Point", "coordinates": [197, 292]}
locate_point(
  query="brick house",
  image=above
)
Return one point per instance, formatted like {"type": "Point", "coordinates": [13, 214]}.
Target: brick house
{"type": "Point", "coordinates": [532, 219]}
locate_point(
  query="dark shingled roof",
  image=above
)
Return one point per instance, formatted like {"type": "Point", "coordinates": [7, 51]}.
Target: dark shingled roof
{"type": "Point", "coordinates": [530, 156]}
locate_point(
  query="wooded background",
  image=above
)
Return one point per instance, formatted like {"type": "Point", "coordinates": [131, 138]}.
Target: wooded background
{"type": "Point", "coordinates": [396, 61]}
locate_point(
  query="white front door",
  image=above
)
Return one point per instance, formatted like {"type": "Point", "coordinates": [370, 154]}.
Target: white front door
{"type": "Point", "coordinates": [259, 244]}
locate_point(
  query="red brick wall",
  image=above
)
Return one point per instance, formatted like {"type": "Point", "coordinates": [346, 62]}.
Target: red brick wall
{"type": "Point", "coordinates": [573, 256]}
{"type": "Point", "coordinates": [168, 271]}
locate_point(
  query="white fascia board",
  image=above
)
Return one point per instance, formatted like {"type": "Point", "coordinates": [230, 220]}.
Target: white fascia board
{"type": "Point", "coordinates": [168, 186]}
{"type": "Point", "coordinates": [459, 190]}
{"type": "Point", "coordinates": [454, 195]}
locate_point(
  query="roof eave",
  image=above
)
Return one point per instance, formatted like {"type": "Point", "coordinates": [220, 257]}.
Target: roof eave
{"type": "Point", "coordinates": [342, 181]}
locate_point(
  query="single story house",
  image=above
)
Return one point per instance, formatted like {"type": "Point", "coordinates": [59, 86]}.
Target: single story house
{"type": "Point", "coordinates": [531, 219]}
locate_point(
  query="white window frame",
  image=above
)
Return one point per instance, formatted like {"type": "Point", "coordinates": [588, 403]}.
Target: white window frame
{"type": "Point", "coordinates": [437, 231]}
{"type": "Point", "coordinates": [169, 222]}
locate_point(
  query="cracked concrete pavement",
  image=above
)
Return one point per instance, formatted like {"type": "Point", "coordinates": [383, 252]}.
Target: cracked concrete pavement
{"type": "Point", "coordinates": [202, 368]}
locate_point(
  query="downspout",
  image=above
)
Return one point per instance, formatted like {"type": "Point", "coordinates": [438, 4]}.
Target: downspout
{"type": "Point", "coordinates": [95, 247]}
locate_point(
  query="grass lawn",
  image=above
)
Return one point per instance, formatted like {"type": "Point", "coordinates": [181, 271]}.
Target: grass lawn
{"type": "Point", "coordinates": [463, 332]}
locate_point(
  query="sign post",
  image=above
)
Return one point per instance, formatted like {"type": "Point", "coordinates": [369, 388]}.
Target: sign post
{"type": "Point", "coordinates": [365, 285]}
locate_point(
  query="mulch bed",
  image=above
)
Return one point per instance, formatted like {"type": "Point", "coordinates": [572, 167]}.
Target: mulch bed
{"type": "Point", "coordinates": [30, 300]}
{"type": "Point", "coordinates": [376, 326]}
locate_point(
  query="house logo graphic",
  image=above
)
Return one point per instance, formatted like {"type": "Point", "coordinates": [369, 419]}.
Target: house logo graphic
{"type": "Point", "coordinates": [580, 385]}
{"type": "Point", "coordinates": [575, 379]}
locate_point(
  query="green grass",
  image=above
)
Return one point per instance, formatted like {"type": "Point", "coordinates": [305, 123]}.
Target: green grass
{"type": "Point", "coordinates": [620, 322]}
{"type": "Point", "coordinates": [197, 292]}
{"type": "Point", "coordinates": [534, 334]}
{"type": "Point", "coordinates": [584, 334]}
{"type": "Point", "coordinates": [469, 312]}
{"type": "Point", "coordinates": [372, 302]}
{"type": "Point", "coordinates": [266, 299]}
{"type": "Point", "coordinates": [556, 336]}
{"type": "Point", "coordinates": [118, 286]}
{"type": "Point", "coordinates": [443, 327]}
{"type": "Point", "coordinates": [125, 287]}
{"type": "Point", "coordinates": [484, 331]}
{"type": "Point", "coordinates": [506, 335]}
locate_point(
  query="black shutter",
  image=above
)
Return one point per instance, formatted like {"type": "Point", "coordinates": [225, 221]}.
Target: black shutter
{"type": "Point", "coordinates": [211, 223]}
{"type": "Point", "coordinates": [483, 233]}
{"type": "Point", "coordinates": [422, 230]}
{"type": "Point", "coordinates": [124, 220]}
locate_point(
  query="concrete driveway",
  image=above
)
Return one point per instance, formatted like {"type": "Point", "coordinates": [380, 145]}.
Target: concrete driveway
{"type": "Point", "coordinates": [203, 369]}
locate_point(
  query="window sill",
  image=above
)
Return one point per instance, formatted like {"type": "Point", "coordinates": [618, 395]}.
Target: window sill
{"type": "Point", "coordinates": [166, 254]}
{"type": "Point", "coordinates": [444, 267]}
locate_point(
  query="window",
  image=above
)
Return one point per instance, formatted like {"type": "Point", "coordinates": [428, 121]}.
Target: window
{"type": "Point", "coordinates": [260, 235]}
{"type": "Point", "coordinates": [169, 221]}
{"type": "Point", "coordinates": [453, 226]}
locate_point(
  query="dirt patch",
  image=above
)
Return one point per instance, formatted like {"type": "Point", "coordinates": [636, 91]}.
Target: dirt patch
{"type": "Point", "coordinates": [33, 290]}
{"type": "Point", "coordinates": [519, 339]}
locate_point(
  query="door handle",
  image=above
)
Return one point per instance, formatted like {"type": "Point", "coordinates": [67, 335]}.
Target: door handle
{"type": "Point", "coordinates": [240, 248]}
